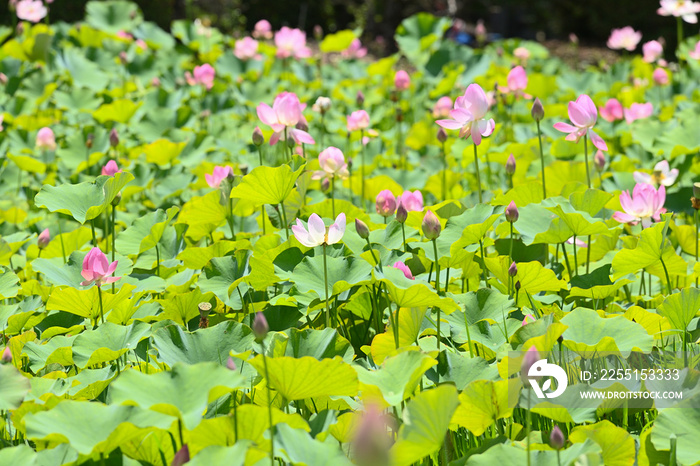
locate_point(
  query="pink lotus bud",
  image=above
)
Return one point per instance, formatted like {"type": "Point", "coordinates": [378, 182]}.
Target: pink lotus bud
{"type": "Point", "coordinates": [529, 318]}
{"type": "Point", "coordinates": [219, 174]}
{"type": "Point", "coordinates": [361, 228]}
{"type": "Point", "coordinates": [123, 58]}
{"type": "Point", "coordinates": [537, 111]}
{"type": "Point", "coordinates": [401, 213]}
{"type": "Point", "coordinates": [599, 160]}
{"type": "Point", "coordinates": [385, 203]}
{"type": "Point", "coordinates": [325, 184]}
{"type": "Point", "coordinates": [521, 53]}
{"type": "Point", "coordinates": [412, 201]}
{"type": "Point", "coordinates": [404, 268]}
{"type": "Point", "coordinates": [6, 355]}
{"type": "Point", "coordinates": [231, 364]}
{"type": "Point", "coordinates": [510, 165]}
{"type": "Point", "coordinates": [556, 438]}
{"type": "Point", "coordinates": [513, 270]}
{"type": "Point", "coordinates": [3, 78]}
{"type": "Point", "coordinates": [402, 80]}
{"type": "Point", "coordinates": [181, 457]}
{"type": "Point", "coordinates": [358, 119]}
{"type": "Point", "coordinates": [258, 138]}
{"type": "Point", "coordinates": [531, 357]}
{"type": "Point", "coordinates": [660, 77]}
{"type": "Point", "coordinates": [652, 51]}
{"type": "Point", "coordinates": [360, 99]}
{"type": "Point", "coordinates": [262, 29]}
{"type": "Point", "coordinates": [113, 138]}
{"type": "Point", "coordinates": [442, 135]}
{"type": "Point", "coordinates": [512, 212]}
{"type": "Point", "coordinates": [442, 107]}
{"type": "Point", "coordinates": [517, 79]}
{"type": "Point", "coordinates": [517, 285]}
{"type": "Point", "coordinates": [372, 442]}
{"type": "Point", "coordinates": [45, 139]}
{"type": "Point", "coordinates": [110, 168]}
{"type": "Point", "coordinates": [155, 82]}
{"type": "Point", "coordinates": [44, 238]}
{"type": "Point", "coordinates": [431, 226]}
{"type": "Point", "coordinates": [260, 326]}
{"type": "Point", "coordinates": [97, 269]}
{"type": "Point", "coordinates": [318, 32]}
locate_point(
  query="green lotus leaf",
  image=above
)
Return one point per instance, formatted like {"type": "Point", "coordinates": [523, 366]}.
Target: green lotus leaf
{"type": "Point", "coordinates": [461, 369]}
{"type": "Point", "coordinates": [108, 342]}
{"type": "Point", "coordinates": [533, 276]}
{"type": "Point", "coordinates": [343, 274]}
{"type": "Point", "coordinates": [83, 201]}
{"type": "Point", "coordinates": [69, 274]}
{"type": "Point", "coordinates": [319, 344]}
{"type": "Point", "coordinates": [298, 447]}
{"type": "Point", "coordinates": [202, 215]}
{"type": "Point", "coordinates": [589, 332]}
{"type": "Point", "coordinates": [483, 402]}
{"type": "Point", "coordinates": [9, 283]}
{"type": "Point", "coordinates": [485, 304]}
{"type": "Point", "coordinates": [217, 454]}
{"type": "Point", "coordinates": [85, 303]}
{"type": "Point", "coordinates": [197, 258]}
{"type": "Point", "coordinates": [56, 350]}
{"type": "Point", "coordinates": [112, 16]}
{"type": "Point", "coordinates": [681, 308]}
{"type": "Point", "coordinates": [337, 42]}
{"type": "Point", "coordinates": [183, 392]}
{"type": "Point", "coordinates": [222, 275]}
{"type": "Point", "coordinates": [503, 454]}
{"type": "Point", "coordinates": [176, 344]}
{"type": "Point", "coordinates": [681, 422]}
{"type": "Point", "coordinates": [617, 444]}
{"type": "Point", "coordinates": [267, 185]}
{"type": "Point", "coordinates": [426, 420]}
{"type": "Point", "coordinates": [119, 111]}
{"type": "Point", "coordinates": [597, 284]}
{"type": "Point", "coordinates": [145, 232]}
{"type": "Point", "coordinates": [110, 426]}
{"type": "Point", "coordinates": [163, 152]}
{"type": "Point", "coordinates": [13, 387]}
{"type": "Point", "coordinates": [398, 376]}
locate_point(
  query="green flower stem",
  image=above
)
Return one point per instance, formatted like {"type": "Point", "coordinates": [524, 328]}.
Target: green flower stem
{"type": "Point", "coordinates": [575, 257]}
{"type": "Point", "coordinates": [362, 169]}
{"type": "Point", "coordinates": [325, 285]}
{"type": "Point", "coordinates": [230, 218]}
{"type": "Point", "coordinates": [333, 195]}
{"type": "Point", "coordinates": [566, 258]}
{"type": "Point", "coordinates": [99, 294]}
{"type": "Point", "coordinates": [444, 173]}
{"type": "Point", "coordinates": [469, 337]}
{"type": "Point", "coordinates": [269, 408]}
{"type": "Point", "coordinates": [262, 219]}
{"type": "Point", "coordinates": [527, 426]}
{"type": "Point", "coordinates": [585, 154]}
{"type": "Point", "coordinates": [478, 176]}
{"type": "Point", "coordinates": [697, 240]}
{"type": "Point", "coordinates": [94, 238]}
{"type": "Point", "coordinates": [379, 264]}
{"type": "Point", "coordinates": [484, 273]}
{"type": "Point", "coordinates": [437, 288]}
{"type": "Point", "coordinates": [510, 255]}
{"type": "Point", "coordinates": [588, 255]}
{"type": "Point", "coordinates": [539, 138]}
{"type": "Point", "coordinates": [60, 235]}
{"type": "Point", "coordinates": [114, 234]}
{"type": "Point", "coordinates": [157, 260]}
{"type": "Point", "coordinates": [323, 123]}
{"type": "Point", "coordinates": [284, 219]}
{"type": "Point", "coordinates": [668, 279]}
{"type": "Point", "coordinates": [403, 234]}
{"type": "Point", "coordinates": [395, 324]}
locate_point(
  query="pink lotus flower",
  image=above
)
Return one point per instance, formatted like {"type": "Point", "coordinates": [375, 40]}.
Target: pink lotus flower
{"type": "Point", "coordinates": [45, 139]}
{"type": "Point", "coordinates": [402, 80]}
{"type": "Point", "coordinates": [31, 10]}
{"type": "Point", "coordinates": [332, 162]}
{"type": "Point", "coordinates": [638, 111]}
{"type": "Point", "coordinates": [124, 35]}
{"type": "Point", "coordinates": [442, 107]}
{"type": "Point", "coordinates": [662, 175]}
{"type": "Point", "coordinates": [404, 268]}
{"type": "Point", "coordinates": [317, 234]}
{"type": "Point", "coordinates": [412, 201]}
{"type": "Point", "coordinates": [695, 53]}
{"type": "Point", "coordinates": [660, 75]}
{"type": "Point", "coordinates": [359, 119]}
{"type": "Point", "coordinates": [579, 242]}
{"type": "Point", "coordinates": [385, 203]}
{"type": "Point", "coordinates": [468, 115]}
{"type": "Point", "coordinates": [354, 50]}
{"type": "Point", "coordinates": [203, 75]}
{"type": "Point", "coordinates": [517, 80]}
{"type": "Point", "coordinates": [97, 269]}
{"type": "Point", "coordinates": [285, 113]}
{"type": "Point", "coordinates": [262, 30]}
{"type": "Point", "coordinates": [246, 49]}
{"type": "Point", "coordinates": [612, 110]}
{"type": "Point", "coordinates": [624, 38]}
{"type": "Point", "coordinates": [140, 43]}
{"type": "Point", "coordinates": [583, 115]}
{"type": "Point", "coordinates": [529, 318]}
{"type": "Point", "coordinates": [645, 204]}
{"type": "Point", "coordinates": [43, 239]}
{"type": "Point", "coordinates": [521, 53]}
{"type": "Point", "coordinates": [291, 43]}
{"type": "Point", "coordinates": [220, 173]}
{"type": "Point", "coordinates": [111, 168]}
{"type": "Point", "coordinates": [652, 51]}
{"type": "Point", "coordinates": [683, 8]}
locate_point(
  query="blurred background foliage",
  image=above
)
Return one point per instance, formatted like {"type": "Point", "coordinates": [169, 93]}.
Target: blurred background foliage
{"type": "Point", "coordinates": [590, 20]}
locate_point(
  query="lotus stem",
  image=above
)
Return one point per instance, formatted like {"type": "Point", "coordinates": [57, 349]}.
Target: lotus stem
{"type": "Point", "coordinates": [284, 219]}
{"type": "Point", "coordinates": [325, 285]}
{"type": "Point", "coordinates": [269, 408]}
{"type": "Point", "coordinates": [379, 264]}
{"type": "Point", "coordinates": [362, 169]}
{"type": "Point", "coordinates": [60, 235]}
{"type": "Point", "coordinates": [444, 173]}
{"type": "Point", "coordinates": [585, 154]}
{"type": "Point", "coordinates": [478, 176]}
{"type": "Point", "coordinates": [99, 294]}
{"type": "Point", "coordinates": [333, 195]}
{"type": "Point", "coordinates": [437, 288]}
{"type": "Point", "coordinates": [697, 240]}
{"type": "Point", "coordinates": [539, 138]}
{"type": "Point", "coordinates": [588, 255]}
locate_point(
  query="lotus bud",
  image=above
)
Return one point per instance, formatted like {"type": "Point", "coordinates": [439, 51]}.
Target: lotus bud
{"type": "Point", "coordinates": [258, 138]}
{"type": "Point", "coordinates": [290, 143]}
{"type": "Point", "coordinates": [512, 212]}
{"type": "Point", "coordinates": [123, 58]}
{"type": "Point", "coordinates": [231, 364]}
{"type": "Point", "coordinates": [44, 238]}
{"type": "Point", "coordinates": [513, 270]}
{"type": "Point", "coordinates": [531, 357]}
{"type": "Point", "coordinates": [399, 114]}
{"type": "Point", "coordinates": [599, 161]}
{"type": "Point", "coordinates": [204, 308]}
{"type": "Point", "coordinates": [117, 199]}
{"type": "Point", "coordinates": [517, 285]}
{"type": "Point", "coordinates": [302, 125]}
{"type": "Point", "coordinates": [696, 190]}
{"type": "Point", "coordinates": [360, 99]}
{"type": "Point", "coordinates": [260, 327]}
{"type": "Point", "coordinates": [243, 168]}
{"type": "Point", "coordinates": [6, 355]}
{"type": "Point", "coordinates": [361, 228]}
{"type": "Point", "coordinates": [695, 200]}
{"type": "Point", "coordinates": [325, 184]}
{"type": "Point", "coordinates": [89, 140]}
{"type": "Point", "coordinates": [181, 457]}
{"type": "Point", "coordinates": [442, 135]}
{"type": "Point", "coordinates": [660, 77]}
{"type": "Point", "coordinates": [401, 213]}
{"type": "Point", "coordinates": [537, 110]}
{"type": "Point", "coordinates": [431, 226]}
{"type": "Point", "coordinates": [402, 80]}
{"type": "Point", "coordinates": [556, 438]}
{"type": "Point", "coordinates": [113, 138]}
{"type": "Point", "coordinates": [510, 165]}
{"type": "Point", "coordinates": [385, 203]}
{"type": "Point", "coordinates": [318, 32]}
